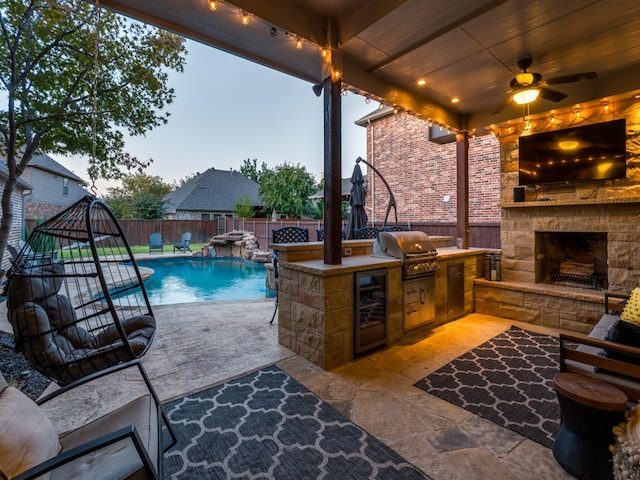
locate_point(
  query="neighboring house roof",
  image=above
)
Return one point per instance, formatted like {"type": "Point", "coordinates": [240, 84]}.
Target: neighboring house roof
{"type": "Point", "coordinates": [213, 190]}
{"type": "Point", "coordinates": [346, 189]}
{"type": "Point", "coordinates": [45, 162]}
{"type": "Point", "coordinates": [4, 173]}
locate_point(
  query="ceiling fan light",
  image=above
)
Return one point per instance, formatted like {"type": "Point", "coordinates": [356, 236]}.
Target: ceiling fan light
{"type": "Point", "coordinates": [524, 78]}
{"type": "Point", "coordinates": [525, 96]}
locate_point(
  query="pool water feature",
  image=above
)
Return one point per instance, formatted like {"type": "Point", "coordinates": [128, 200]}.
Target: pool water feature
{"type": "Point", "coordinates": [203, 279]}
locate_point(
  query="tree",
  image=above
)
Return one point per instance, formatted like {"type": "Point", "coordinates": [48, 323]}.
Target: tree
{"type": "Point", "coordinates": [250, 170]}
{"type": "Point", "coordinates": [140, 196]}
{"type": "Point", "coordinates": [287, 189]}
{"type": "Point", "coordinates": [74, 85]}
{"type": "Point", "coordinates": [243, 207]}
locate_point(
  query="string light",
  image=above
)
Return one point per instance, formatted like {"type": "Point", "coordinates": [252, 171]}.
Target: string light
{"type": "Point", "coordinates": [213, 5]}
{"type": "Point", "coordinates": [577, 111]}
{"type": "Point", "coordinates": [344, 92]}
{"type": "Point", "coordinates": [337, 75]}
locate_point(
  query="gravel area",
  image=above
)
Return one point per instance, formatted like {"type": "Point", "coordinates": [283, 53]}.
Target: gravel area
{"type": "Point", "coordinates": [17, 371]}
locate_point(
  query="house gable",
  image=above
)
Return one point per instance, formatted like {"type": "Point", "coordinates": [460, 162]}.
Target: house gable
{"type": "Point", "coordinates": [54, 187]}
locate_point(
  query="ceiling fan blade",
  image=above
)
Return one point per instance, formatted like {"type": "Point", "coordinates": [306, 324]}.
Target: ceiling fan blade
{"type": "Point", "coordinates": [504, 104]}
{"type": "Point", "coordinates": [552, 95]}
{"type": "Point", "coordinates": [576, 77]}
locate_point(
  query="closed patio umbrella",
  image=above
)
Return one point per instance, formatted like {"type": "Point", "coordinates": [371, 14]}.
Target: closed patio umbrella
{"type": "Point", "coordinates": [357, 217]}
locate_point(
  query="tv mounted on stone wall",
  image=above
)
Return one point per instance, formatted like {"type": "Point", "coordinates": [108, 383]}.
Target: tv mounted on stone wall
{"type": "Point", "coordinates": [587, 153]}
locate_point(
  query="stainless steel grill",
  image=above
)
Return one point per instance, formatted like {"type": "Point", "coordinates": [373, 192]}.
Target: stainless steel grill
{"type": "Point", "coordinates": [415, 248]}
{"type": "Point", "coordinates": [420, 262]}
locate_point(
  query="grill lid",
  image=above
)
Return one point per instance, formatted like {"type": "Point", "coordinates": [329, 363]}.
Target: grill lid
{"type": "Point", "coordinates": [404, 245]}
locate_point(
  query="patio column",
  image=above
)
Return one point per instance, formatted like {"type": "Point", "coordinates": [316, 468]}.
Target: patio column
{"type": "Point", "coordinates": [462, 162]}
{"type": "Point", "coordinates": [332, 171]}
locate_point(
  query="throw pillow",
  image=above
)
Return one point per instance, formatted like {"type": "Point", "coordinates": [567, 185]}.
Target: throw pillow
{"type": "Point", "coordinates": [27, 437]}
{"type": "Point", "coordinates": [626, 333]}
{"type": "Point", "coordinates": [631, 311]}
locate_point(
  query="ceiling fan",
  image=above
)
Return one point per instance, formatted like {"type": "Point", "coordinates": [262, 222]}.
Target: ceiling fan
{"type": "Point", "coordinates": [527, 86]}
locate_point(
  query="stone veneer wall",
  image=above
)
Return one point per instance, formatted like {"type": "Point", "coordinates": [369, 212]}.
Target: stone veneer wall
{"type": "Point", "coordinates": [612, 207]}
{"type": "Point", "coordinates": [316, 301]}
{"type": "Point", "coordinates": [316, 313]}
{"type": "Point", "coordinates": [540, 304]}
{"type": "Point", "coordinates": [315, 307]}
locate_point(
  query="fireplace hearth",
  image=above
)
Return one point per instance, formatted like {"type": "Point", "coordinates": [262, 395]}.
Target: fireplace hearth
{"type": "Point", "coordinates": [575, 259]}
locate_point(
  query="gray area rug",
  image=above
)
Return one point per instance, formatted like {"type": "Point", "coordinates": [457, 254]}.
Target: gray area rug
{"type": "Point", "coordinates": [508, 380]}
{"type": "Point", "coordinates": [268, 426]}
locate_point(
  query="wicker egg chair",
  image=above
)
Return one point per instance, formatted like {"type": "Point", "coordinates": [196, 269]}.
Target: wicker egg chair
{"type": "Point", "coordinates": [75, 296]}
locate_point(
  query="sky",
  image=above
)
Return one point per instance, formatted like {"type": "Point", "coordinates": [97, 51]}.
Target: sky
{"type": "Point", "coordinates": [228, 109]}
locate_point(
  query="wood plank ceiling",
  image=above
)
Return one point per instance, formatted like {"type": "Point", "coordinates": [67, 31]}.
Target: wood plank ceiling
{"type": "Point", "coordinates": [464, 49]}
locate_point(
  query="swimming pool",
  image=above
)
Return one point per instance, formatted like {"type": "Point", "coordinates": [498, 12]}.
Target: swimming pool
{"type": "Point", "coordinates": [198, 279]}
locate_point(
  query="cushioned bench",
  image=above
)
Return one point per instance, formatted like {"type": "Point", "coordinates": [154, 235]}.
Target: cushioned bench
{"type": "Point", "coordinates": [615, 363]}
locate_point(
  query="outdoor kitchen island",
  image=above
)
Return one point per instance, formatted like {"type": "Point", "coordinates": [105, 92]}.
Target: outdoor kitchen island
{"type": "Point", "coordinates": [319, 303]}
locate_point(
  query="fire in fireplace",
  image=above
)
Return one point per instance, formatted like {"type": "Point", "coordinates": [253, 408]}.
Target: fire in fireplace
{"type": "Point", "coordinates": [576, 259]}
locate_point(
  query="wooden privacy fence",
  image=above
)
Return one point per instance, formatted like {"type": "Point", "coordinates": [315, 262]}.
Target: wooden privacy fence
{"type": "Point", "coordinates": [137, 232]}
{"type": "Point", "coordinates": [485, 235]}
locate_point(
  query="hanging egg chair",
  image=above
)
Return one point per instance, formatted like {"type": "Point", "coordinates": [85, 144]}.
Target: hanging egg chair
{"type": "Point", "coordinates": [75, 296]}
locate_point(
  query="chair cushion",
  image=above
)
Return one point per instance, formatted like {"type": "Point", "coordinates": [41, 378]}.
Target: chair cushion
{"type": "Point", "coordinates": [27, 436]}
{"type": "Point", "coordinates": [119, 460]}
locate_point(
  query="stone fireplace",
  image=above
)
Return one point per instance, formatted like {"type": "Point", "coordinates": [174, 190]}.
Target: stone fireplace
{"type": "Point", "coordinates": [574, 259]}
{"type": "Point", "coordinates": [597, 221]}
{"type": "Point", "coordinates": [536, 239]}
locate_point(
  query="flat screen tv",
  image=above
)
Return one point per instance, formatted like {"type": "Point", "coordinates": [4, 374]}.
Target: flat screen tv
{"type": "Point", "coordinates": [591, 152]}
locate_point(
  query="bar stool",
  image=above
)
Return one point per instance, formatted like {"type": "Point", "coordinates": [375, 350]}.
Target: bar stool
{"type": "Point", "coordinates": [590, 408]}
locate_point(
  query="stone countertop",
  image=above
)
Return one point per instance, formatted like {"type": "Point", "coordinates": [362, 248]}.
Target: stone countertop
{"type": "Point", "coordinates": [355, 263]}
{"type": "Point", "coordinates": [358, 263]}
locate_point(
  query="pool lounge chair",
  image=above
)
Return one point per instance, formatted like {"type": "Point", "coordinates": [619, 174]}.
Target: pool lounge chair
{"type": "Point", "coordinates": [184, 244]}
{"type": "Point", "coordinates": [156, 243]}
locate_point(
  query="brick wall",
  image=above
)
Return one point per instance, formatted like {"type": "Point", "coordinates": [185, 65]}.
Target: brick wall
{"type": "Point", "coordinates": [41, 211]}
{"type": "Point", "coordinates": [422, 174]}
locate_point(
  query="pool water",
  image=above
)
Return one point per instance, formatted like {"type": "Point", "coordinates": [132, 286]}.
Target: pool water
{"type": "Point", "coordinates": [198, 279]}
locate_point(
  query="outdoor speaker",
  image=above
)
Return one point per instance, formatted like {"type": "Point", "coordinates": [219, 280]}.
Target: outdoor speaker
{"type": "Point", "coordinates": [518, 194]}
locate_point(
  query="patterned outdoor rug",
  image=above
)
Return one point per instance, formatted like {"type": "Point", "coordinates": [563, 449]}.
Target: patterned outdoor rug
{"type": "Point", "coordinates": [508, 380]}
{"type": "Point", "coordinates": [268, 426]}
